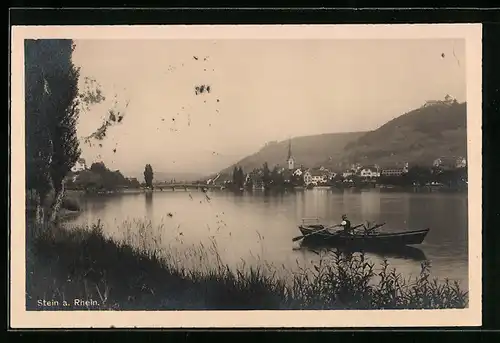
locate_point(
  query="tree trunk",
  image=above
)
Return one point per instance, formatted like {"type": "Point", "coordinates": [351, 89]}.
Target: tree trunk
{"type": "Point", "coordinates": [39, 225]}
{"type": "Point", "coordinates": [56, 206]}
{"type": "Point", "coordinates": [40, 213]}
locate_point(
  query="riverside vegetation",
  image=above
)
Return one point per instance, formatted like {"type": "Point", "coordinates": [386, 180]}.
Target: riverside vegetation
{"type": "Point", "coordinates": [136, 273]}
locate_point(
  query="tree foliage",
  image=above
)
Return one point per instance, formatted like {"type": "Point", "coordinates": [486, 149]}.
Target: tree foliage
{"type": "Point", "coordinates": [38, 142]}
{"type": "Point", "coordinates": [52, 107]}
{"type": "Point", "coordinates": [63, 106]}
{"type": "Point", "coordinates": [266, 175]}
{"type": "Point", "coordinates": [418, 175]}
{"type": "Point", "coordinates": [99, 178]}
{"type": "Point", "coordinates": [238, 177]}
{"type": "Point", "coordinates": [148, 175]}
{"type": "Point", "coordinates": [277, 178]}
{"type": "Point", "coordinates": [52, 111]}
{"type": "Point", "coordinates": [235, 175]}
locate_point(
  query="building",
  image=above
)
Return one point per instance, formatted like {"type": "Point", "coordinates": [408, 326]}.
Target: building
{"type": "Point", "coordinates": [257, 181]}
{"type": "Point", "coordinates": [212, 181]}
{"type": "Point", "coordinates": [79, 166]}
{"type": "Point", "coordinates": [307, 178]}
{"type": "Point", "coordinates": [432, 102]}
{"type": "Point", "coordinates": [348, 173]}
{"type": "Point", "coordinates": [254, 178]}
{"type": "Point", "coordinates": [353, 170]}
{"type": "Point", "coordinates": [356, 167]}
{"type": "Point", "coordinates": [315, 176]}
{"type": "Point", "coordinates": [297, 176]}
{"type": "Point", "coordinates": [448, 163]}
{"type": "Point", "coordinates": [369, 172]}
{"type": "Point", "coordinates": [461, 162]}
{"type": "Point", "coordinates": [448, 101]}
{"type": "Point", "coordinates": [395, 171]}
{"type": "Point", "coordinates": [392, 172]}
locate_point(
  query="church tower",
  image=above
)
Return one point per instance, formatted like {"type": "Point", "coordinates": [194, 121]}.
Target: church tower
{"type": "Point", "coordinates": [291, 161]}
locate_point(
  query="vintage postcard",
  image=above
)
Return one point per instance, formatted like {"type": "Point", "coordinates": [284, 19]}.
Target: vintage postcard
{"type": "Point", "coordinates": [228, 176]}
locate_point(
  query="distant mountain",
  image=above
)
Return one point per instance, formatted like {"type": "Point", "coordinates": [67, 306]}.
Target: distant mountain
{"type": "Point", "coordinates": [309, 151]}
{"type": "Point", "coordinates": [417, 137]}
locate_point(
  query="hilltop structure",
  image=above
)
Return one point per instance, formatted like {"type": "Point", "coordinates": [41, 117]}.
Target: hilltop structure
{"type": "Point", "coordinates": [448, 101]}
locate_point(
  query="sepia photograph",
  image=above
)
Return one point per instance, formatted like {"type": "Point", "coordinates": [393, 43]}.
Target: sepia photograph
{"type": "Point", "coordinates": [226, 176]}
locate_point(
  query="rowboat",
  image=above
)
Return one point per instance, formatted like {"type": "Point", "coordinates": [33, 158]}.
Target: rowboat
{"type": "Point", "coordinates": [313, 233]}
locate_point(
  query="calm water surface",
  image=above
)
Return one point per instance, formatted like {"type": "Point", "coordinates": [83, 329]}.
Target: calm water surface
{"type": "Point", "coordinates": [254, 227]}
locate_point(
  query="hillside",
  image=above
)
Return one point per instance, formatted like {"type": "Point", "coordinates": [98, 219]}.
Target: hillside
{"type": "Point", "coordinates": [417, 137]}
{"type": "Point", "coordinates": [307, 150]}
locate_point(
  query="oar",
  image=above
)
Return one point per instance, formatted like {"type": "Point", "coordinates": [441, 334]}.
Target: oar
{"type": "Point", "coordinates": [355, 227]}
{"type": "Point", "coordinates": [315, 232]}
{"type": "Point", "coordinates": [295, 239]}
{"type": "Point", "coordinates": [375, 227]}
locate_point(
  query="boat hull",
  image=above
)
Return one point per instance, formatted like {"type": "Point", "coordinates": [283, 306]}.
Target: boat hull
{"type": "Point", "coordinates": [379, 239]}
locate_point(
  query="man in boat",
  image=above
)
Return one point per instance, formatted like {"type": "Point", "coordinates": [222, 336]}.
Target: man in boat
{"type": "Point", "coordinates": [346, 225]}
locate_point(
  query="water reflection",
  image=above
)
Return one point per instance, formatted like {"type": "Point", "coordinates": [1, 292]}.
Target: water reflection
{"type": "Point", "coordinates": [148, 196]}
{"type": "Point", "coordinates": [402, 252]}
{"type": "Point", "coordinates": [232, 220]}
{"type": "Point", "coordinates": [370, 205]}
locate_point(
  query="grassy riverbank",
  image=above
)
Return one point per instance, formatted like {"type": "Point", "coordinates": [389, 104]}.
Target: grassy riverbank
{"type": "Point", "coordinates": [83, 264]}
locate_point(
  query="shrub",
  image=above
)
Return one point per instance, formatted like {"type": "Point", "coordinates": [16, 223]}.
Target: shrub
{"type": "Point", "coordinates": [70, 204]}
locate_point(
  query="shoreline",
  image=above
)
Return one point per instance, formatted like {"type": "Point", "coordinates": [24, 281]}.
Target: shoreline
{"type": "Point", "coordinates": [421, 189]}
{"type": "Point", "coordinates": [83, 264]}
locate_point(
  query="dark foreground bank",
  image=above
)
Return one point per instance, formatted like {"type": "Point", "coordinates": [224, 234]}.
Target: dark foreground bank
{"type": "Point", "coordinates": [81, 269]}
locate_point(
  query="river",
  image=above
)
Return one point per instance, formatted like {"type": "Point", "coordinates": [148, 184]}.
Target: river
{"type": "Point", "coordinates": [257, 228]}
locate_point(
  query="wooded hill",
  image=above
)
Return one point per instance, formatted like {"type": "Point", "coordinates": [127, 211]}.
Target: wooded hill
{"type": "Point", "coordinates": [416, 137]}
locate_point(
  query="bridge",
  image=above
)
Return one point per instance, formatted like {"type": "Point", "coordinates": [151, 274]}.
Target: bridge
{"type": "Point", "coordinates": [185, 186]}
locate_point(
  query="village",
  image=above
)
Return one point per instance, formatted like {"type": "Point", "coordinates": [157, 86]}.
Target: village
{"type": "Point", "coordinates": [442, 172]}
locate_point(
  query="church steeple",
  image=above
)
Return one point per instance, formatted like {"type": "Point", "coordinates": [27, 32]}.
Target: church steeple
{"type": "Point", "coordinates": [290, 160]}
{"type": "Point", "coordinates": [289, 149]}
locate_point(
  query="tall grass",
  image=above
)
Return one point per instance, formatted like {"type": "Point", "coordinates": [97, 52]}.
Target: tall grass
{"type": "Point", "coordinates": [137, 272]}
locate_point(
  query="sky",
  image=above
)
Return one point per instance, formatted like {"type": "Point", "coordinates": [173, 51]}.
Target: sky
{"type": "Point", "coordinates": [260, 91]}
